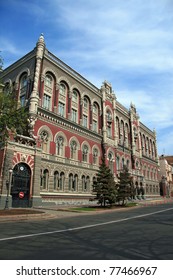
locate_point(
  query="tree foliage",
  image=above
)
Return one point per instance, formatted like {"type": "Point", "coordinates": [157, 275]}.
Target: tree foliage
{"type": "Point", "coordinates": [12, 117]}
{"type": "Point", "coordinates": [104, 187]}
{"type": "Point", "coordinates": [125, 186]}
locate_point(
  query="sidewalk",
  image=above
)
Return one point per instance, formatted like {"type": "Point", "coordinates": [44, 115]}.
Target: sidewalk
{"type": "Point", "coordinates": [59, 211]}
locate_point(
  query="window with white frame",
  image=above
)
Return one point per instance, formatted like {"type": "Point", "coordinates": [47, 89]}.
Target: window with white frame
{"type": "Point", "coordinates": [85, 151]}
{"type": "Point", "coordinates": [56, 180]}
{"type": "Point", "coordinates": [61, 180]}
{"type": "Point", "coordinates": [62, 89]}
{"type": "Point", "coordinates": [109, 123]}
{"type": "Point", "coordinates": [95, 156]}
{"type": "Point", "coordinates": [85, 121]}
{"type": "Point", "coordinates": [74, 96]}
{"type": "Point", "coordinates": [44, 141]}
{"type": "Point", "coordinates": [73, 149]}
{"type": "Point", "coordinates": [95, 126]}
{"type": "Point", "coordinates": [48, 81]}
{"type": "Point", "coordinates": [46, 101]}
{"type": "Point", "coordinates": [23, 89]}
{"type": "Point", "coordinates": [61, 109]}
{"type": "Point", "coordinates": [74, 115]}
{"type": "Point", "coordinates": [111, 158]}
{"type": "Point", "coordinates": [45, 179]}
{"type": "Point", "coordinates": [60, 146]}
{"type": "Point", "coordinates": [95, 109]}
{"type": "Point", "coordinates": [85, 103]}
{"type": "Point", "coordinates": [109, 131]}
{"type": "Point", "coordinates": [118, 163]}
{"type": "Point", "coordinates": [109, 115]}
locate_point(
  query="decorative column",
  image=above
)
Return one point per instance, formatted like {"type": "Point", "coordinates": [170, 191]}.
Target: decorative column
{"type": "Point", "coordinates": [57, 85]}
{"type": "Point", "coordinates": [91, 117]}
{"type": "Point", "coordinates": [34, 98]}
{"type": "Point", "coordinates": [81, 112]}
{"type": "Point", "coordinates": [69, 104]}
{"type": "Point", "coordinates": [103, 91]}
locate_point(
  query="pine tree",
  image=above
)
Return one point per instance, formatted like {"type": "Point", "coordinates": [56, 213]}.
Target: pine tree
{"type": "Point", "coordinates": [104, 187]}
{"type": "Point", "coordinates": [125, 186]}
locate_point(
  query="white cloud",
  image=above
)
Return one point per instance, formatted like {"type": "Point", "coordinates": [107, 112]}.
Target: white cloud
{"type": "Point", "coordinates": [9, 47]}
{"type": "Point", "coordinates": [128, 43]}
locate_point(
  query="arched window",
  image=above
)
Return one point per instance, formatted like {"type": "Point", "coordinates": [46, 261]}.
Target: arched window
{"type": "Point", "coordinates": [85, 103]}
{"type": "Point", "coordinates": [110, 158]}
{"type": "Point", "coordinates": [73, 149]}
{"type": "Point", "coordinates": [109, 123]}
{"type": "Point", "coordinates": [126, 136]}
{"type": "Point", "coordinates": [118, 130]}
{"type": "Point", "coordinates": [95, 108]}
{"type": "Point", "coordinates": [123, 163]}
{"type": "Point", "coordinates": [95, 156]}
{"type": "Point", "coordinates": [87, 183]}
{"type": "Point", "coordinates": [48, 87]}
{"type": "Point", "coordinates": [128, 164]}
{"type": "Point", "coordinates": [75, 96]}
{"type": "Point", "coordinates": [45, 180]}
{"type": "Point", "coordinates": [56, 180]}
{"type": "Point", "coordinates": [83, 183]}
{"type": "Point", "coordinates": [70, 184]}
{"type": "Point", "coordinates": [73, 182]}
{"type": "Point", "coordinates": [118, 163]}
{"type": "Point", "coordinates": [75, 106]}
{"type": "Point", "coordinates": [61, 181]}
{"type": "Point", "coordinates": [48, 81]}
{"type": "Point", "coordinates": [122, 133]}
{"type": "Point", "coordinates": [85, 153]}
{"type": "Point", "coordinates": [7, 88]}
{"type": "Point", "coordinates": [60, 146]}
{"type": "Point", "coordinates": [23, 89]}
{"type": "Point", "coordinates": [44, 141]}
{"type": "Point", "coordinates": [95, 117]}
{"type": "Point", "coordinates": [62, 89]}
{"type": "Point", "coordinates": [109, 115]}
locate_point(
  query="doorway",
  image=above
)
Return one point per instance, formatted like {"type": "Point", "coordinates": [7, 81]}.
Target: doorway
{"type": "Point", "coordinates": [20, 189]}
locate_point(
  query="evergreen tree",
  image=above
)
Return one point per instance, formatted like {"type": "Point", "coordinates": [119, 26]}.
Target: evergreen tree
{"type": "Point", "coordinates": [104, 187]}
{"type": "Point", "coordinates": [125, 186]}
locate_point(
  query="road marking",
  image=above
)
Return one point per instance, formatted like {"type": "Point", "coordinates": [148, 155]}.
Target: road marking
{"type": "Point", "coordinates": [83, 227]}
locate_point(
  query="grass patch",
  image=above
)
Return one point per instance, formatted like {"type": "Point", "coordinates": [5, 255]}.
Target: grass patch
{"type": "Point", "coordinates": [81, 209]}
{"type": "Point", "coordinates": [131, 204]}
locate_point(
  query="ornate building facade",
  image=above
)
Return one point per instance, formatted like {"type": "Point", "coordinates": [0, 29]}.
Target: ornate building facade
{"type": "Point", "coordinates": [72, 125]}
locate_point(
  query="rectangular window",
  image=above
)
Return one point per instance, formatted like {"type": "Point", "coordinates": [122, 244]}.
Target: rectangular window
{"type": "Point", "coordinates": [61, 109]}
{"type": "Point", "coordinates": [46, 101]}
{"type": "Point", "coordinates": [109, 131]}
{"type": "Point", "coordinates": [85, 121]}
{"type": "Point", "coordinates": [94, 125]}
{"type": "Point", "coordinates": [74, 115]}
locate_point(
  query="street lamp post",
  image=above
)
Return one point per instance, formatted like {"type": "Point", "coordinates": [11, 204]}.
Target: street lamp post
{"type": "Point", "coordinates": [8, 186]}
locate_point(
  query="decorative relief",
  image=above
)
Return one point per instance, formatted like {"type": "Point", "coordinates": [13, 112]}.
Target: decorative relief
{"type": "Point", "coordinates": [23, 157]}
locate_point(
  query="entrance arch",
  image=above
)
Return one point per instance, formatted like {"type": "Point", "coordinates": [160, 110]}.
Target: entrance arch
{"type": "Point", "coordinates": [20, 189]}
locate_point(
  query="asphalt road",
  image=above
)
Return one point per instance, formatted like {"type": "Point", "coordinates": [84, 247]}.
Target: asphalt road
{"type": "Point", "coordinates": [144, 233]}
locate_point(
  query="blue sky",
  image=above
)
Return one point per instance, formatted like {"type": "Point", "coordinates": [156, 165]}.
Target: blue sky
{"type": "Point", "coordinates": [126, 42]}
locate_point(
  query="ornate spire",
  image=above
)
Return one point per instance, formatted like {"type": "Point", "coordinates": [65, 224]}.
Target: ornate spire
{"type": "Point", "coordinates": [41, 38]}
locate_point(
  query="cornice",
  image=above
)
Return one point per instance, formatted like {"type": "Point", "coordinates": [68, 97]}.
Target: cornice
{"type": "Point", "coordinates": [65, 123]}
